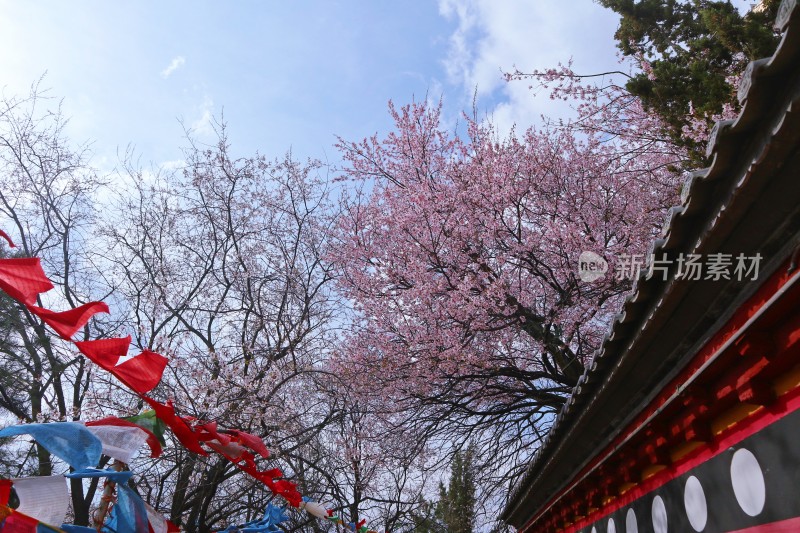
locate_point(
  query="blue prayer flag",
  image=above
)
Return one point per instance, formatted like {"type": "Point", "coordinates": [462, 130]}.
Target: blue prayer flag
{"type": "Point", "coordinates": [69, 441]}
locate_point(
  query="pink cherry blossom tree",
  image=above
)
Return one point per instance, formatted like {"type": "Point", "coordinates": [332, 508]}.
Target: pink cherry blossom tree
{"type": "Point", "coordinates": [460, 254]}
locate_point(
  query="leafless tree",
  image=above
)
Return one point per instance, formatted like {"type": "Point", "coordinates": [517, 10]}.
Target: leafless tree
{"type": "Point", "coordinates": [220, 266]}
{"type": "Point", "coordinates": [46, 193]}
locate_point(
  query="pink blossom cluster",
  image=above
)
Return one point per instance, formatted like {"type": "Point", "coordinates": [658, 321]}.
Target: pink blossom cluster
{"type": "Point", "coordinates": [456, 250]}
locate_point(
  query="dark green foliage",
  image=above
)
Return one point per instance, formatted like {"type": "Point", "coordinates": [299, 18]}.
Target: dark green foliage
{"type": "Point", "coordinates": [455, 510]}
{"type": "Point", "coordinates": [693, 48]}
{"type": "Point", "coordinates": [427, 519]}
{"type": "Point", "coordinates": [456, 506]}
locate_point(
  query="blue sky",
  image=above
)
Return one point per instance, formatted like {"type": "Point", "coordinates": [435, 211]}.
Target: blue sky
{"type": "Point", "coordinates": [287, 74]}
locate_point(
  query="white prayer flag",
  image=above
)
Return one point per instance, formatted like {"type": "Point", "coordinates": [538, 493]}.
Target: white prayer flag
{"type": "Point", "coordinates": [156, 519]}
{"type": "Point", "coordinates": [315, 509]}
{"type": "Point", "coordinates": [120, 442]}
{"type": "Point", "coordinates": [44, 498]}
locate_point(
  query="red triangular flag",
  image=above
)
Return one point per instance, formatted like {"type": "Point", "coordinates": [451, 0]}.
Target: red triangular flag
{"type": "Point", "coordinates": [23, 279]}
{"type": "Point", "coordinates": [284, 488]}
{"type": "Point", "coordinates": [232, 452]}
{"type": "Point", "coordinates": [182, 431]}
{"type": "Point", "coordinates": [19, 523]}
{"type": "Point", "coordinates": [251, 441]}
{"type": "Point", "coordinates": [105, 352]}
{"type": "Point", "coordinates": [208, 431]}
{"type": "Point", "coordinates": [143, 372]}
{"type": "Point", "coordinates": [67, 323]}
{"type": "Point", "coordinates": [4, 235]}
{"type": "Point", "coordinates": [5, 491]}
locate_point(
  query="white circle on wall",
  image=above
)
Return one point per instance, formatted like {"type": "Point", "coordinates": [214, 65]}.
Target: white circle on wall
{"type": "Point", "coordinates": [659, 512]}
{"type": "Point", "coordinates": [694, 500]}
{"type": "Point", "coordinates": [611, 527]}
{"type": "Point", "coordinates": [630, 522]}
{"type": "Point", "coordinates": [748, 482]}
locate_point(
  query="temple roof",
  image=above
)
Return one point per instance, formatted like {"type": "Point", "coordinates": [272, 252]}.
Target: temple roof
{"type": "Point", "coordinates": [746, 201]}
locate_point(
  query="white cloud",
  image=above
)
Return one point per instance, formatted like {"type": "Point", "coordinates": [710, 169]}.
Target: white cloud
{"type": "Point", "coordinates": [495, 37]}
{"type": "Point", "coordinates": [460, 60]}
{"type": "Point", "coordinates": [174, 65]}
{"type": "Point", "coordinates": [174, 164]}
{"type": "Point", "coordinates": [204, 124]}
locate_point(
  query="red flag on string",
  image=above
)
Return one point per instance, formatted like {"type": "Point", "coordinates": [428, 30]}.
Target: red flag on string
{"type": "Point", "coordinates": [152, 440]}
{"type": "Point", "coordinates": [282, 487]}
{"type": "Point", "coordinates": [233, 452]}
{"type": "Point", "coordinates": [23, 279]}
{"type": "Point", "coordinates": [143, 372]}
{"type": "Point", "coordinates": [287, 489]}
{"type": "Point", "coordinates": [251, 441]}
{"type": "Point", "coordinates": [4, 235]}
{"type": "Point", "coordinates": [183, 431]}
{"type": "Point", "coordinates": [270, 474]}
{"type": "Point", "coordinates": [19, 523]}
{"type": "Point", "coordinates": [105, 352]}
{"type": "Point", "coordinates": [208, 431]}
{"type": "Point", "coordinates": [5, 491]}
{"type": "Point", "coordinates": [67, 323]}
